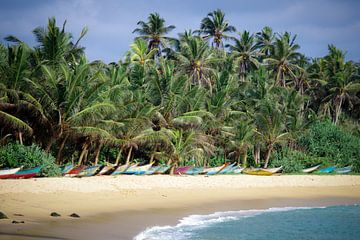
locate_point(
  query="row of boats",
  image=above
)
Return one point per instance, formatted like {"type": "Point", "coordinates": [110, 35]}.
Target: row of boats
{"type": "Point", "coordinates": [228, 168]}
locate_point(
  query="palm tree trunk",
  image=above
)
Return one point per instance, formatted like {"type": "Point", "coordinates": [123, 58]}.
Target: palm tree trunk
{"type": "Point", "coordinates": [129, 155]}
{"type": "Point", "coordinates": [82, 153]}
{"type": "Point", "coordinates": [58, 156]}
{"type": "Point", "coordinates": [267, 154]}
{"type": "Point", "coordinates": [257, 153]}
{"type": "Point", "coordinates": [49, 145]}
{"type": "Point", "coordinates": [118, 157]}
{"type": "Point", "coordinates": [97, 153]}
{"type": "Point", "coordinates": [245, 159]}
{"type": "Point", "coordinates": [338, 110]}
{"type": "Point", "coordinates": [20, 138]}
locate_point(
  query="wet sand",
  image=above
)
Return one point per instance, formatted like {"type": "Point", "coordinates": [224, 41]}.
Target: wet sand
{"type": "Point", "coordinates": [121, 207]}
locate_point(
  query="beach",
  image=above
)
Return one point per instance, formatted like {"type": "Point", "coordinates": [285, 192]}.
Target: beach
{"type": "Point", "coordinates": [120, 207]}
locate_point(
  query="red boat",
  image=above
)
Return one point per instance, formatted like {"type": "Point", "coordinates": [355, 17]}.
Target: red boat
{"type": "Point", "coordinates": [182, 170]}
{"type": "Point", "coordinates": [75, 171]}
{"type": "Point", "coordinates": [8, 173]}
{"type": "Point", "coordinates": [27, 173]}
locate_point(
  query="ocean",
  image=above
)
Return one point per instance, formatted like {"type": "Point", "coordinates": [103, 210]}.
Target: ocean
{"type": "Point", "coordinates": [315, 223]}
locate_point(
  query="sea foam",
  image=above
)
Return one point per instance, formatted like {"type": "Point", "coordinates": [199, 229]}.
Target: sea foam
{"type": "Point", "coordinates": [185, 226]}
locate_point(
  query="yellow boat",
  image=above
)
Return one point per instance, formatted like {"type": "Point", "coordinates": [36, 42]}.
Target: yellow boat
{"type": "Point", "coordinates": [257, 172]}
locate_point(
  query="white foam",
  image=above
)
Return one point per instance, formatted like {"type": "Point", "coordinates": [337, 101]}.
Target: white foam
{"type": "Point", "coordinates": [183, 229]}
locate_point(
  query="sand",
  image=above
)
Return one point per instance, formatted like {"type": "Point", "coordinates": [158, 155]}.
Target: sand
{"type": "Point", "coordinates": [122, 206]}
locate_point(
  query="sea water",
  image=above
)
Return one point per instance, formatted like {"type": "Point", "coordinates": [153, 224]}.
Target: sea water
{"type": "Point", "coordinates": [317, 223]}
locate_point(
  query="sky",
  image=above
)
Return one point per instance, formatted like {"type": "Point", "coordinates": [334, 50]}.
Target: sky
{"type": "Point", "coordinates": [317, 23]}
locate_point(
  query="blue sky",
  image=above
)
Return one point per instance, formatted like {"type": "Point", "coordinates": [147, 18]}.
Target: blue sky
{"type": "Point", "coordinates": [111, 22]}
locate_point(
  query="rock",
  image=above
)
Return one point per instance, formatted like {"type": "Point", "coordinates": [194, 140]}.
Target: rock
{"type": "Point", "coordinates": [18, 214]}
{"type": "Point", "coordinates": [74, 215]}
{"type": "Point", "coordinates": [55, 214]}
{"type": "Point", "coordinates": [17, 222]}
{"type": "Point", "coordinates": [3, 216]}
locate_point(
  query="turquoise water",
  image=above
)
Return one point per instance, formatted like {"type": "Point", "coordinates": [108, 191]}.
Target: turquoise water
{"type": "Point", "coordinates": [323, 223]}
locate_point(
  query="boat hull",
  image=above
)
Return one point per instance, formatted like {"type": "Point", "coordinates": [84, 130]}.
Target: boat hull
{"type": "Point", "coordinates": [27, 173]}
{"type": "Point", "coordinates": [258, 172]}
{"type": "Point", "coordinates": [182, 170]}
{"type": "Point", "coordinates": [8, 173]}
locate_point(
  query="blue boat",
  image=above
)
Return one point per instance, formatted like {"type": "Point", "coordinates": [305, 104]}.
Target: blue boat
{"type": "Point", "coordinates": [89, 171]}
{"type": "Point", "coordinates": [327, 170]}
{"type": "Point", "coordinates": [227, 169]}
{"type": "Point", "coordinates": [152, 170]}
{"type": "Point", "coordinates": [344, 170]}
{"type": "Point", "coordinates": [27, 173]}
{"type": "Point", "coordinates": [194, 171]}
{"type": "Point", "coordinates": [66, 168]}
{"type": "Point", "coordinates": [162, 169]}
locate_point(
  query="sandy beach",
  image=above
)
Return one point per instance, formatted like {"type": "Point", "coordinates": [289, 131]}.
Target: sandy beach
{"type": "Point", "coordinates": [120, 207]}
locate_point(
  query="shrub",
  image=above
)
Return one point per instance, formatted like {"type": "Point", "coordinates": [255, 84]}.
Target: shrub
{"type": "Point", "coordinates": [324, 139]}
{"type": "Point", "coordinates": [15, 155]}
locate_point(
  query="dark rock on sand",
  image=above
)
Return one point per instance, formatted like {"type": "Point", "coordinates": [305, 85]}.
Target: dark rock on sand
{"type": "Point", "coordinates": [3, 216]}
{"type": "Point", "coordinates": [17, 222]}
{"type": "Point", "coordinates": [18, 214]}
{"type": "Point", "coordinates": [74, 215]}
{"type": "Point", "coordinates": [55, 214]}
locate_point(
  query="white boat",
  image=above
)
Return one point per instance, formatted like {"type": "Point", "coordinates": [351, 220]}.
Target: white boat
{"type": "Point", "coordinates": [273, 170]}
{"type": "Point", "coordinates": [215, 170]}
{"type": "Point", "coordinates": [6, 173]}
{"type": "Point", "coordinates": [311, 169]}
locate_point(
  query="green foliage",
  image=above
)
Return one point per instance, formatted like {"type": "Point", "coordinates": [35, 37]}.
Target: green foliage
{"type": "Point", "coordinates": [324, 139]}
{"type": "Point", "coordinates": [15, 155]}
{"type": "Point", "coordinates": [294, 161]}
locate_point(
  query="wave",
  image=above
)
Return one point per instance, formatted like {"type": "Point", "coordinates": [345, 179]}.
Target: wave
{"type": "Point", "coordinates": [185, 226]}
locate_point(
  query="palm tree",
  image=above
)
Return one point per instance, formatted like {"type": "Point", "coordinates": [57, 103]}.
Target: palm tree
{"type": "Point", "coordinates": [284, 58]}
{"type": "Point", "coordinates": [215, 26]}
{"type": "Point", "coordinates": [154, 31]}
{"type": "Point", "coordinates": [243, 139]}
{"type": "Point", "coordinates": [140, 54]}
{"type": "Point", "coordinates": [245, 54]}
{"type": "Point", "coordinates": [265, 41]}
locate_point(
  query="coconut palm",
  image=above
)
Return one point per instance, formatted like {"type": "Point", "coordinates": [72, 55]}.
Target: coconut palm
{"type": "Point", "coordinates": [265, 41]}
{"type": "Point", "coordinates": [154, 31]}
{"type": "Point", "coordinates": [216, 27]}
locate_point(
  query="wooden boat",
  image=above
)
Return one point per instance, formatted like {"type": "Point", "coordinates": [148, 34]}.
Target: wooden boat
{"type": "Point", "coordinates": [162, 169]}
{"type": "Point", "coordinates": [257, 172]}
{"type": "Point", "coordinates": [194, 171]}
{"type": "Point", "coordinates": [227, 169]}
{"type": "Point", "coordinates": [152, 170]}
{"type": "Point", "coordinates": [327, 170]}
{"type": "Point", "coordinates": [182, 170]}
{"type": "Point", "coordinates": [344, 170]}
{"type": "Point", "coordinates": [8, 173]}
{"type": "Point", "coordinates": [122, 168]}
{"type": "Point", "coordinates": [75, 171]}
{"type": "Point", "coordinates": [311, 169]}
{"type": "Point", "coordinates": [273, 170]}
{"type": "Point", "coordinates": [88, 171]}
{"type": "Point", "coordinates": [215, 170]}
{"type": "Point", "coordinates": [138, 170]}
{"type": "Point", "coordinates": [27, 173]}
{"type": "Point", "coordinates": [66, 168]}
{"type": "Point", "coordinates": [105, 170]}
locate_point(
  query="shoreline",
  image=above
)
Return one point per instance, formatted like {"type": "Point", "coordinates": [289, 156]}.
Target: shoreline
{"type": "Point", "coordinates": [122, 207]}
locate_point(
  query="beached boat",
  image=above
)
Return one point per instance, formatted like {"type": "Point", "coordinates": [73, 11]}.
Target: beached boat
{"type": "Point", "coordinates": [138, 170]}
{"type": "Point", "coordinates": [8, 173]}
{"type": "Point", "coordinates": [273, 170]}
{"type": "Point", "coordinates": [152, 170]}
{"type": "Point", "coordinates": [311, 169]}
{"type": "Point", "coordinates": [162, 170]}
{"type": "Point", "coordinates": [215, 170]}
{"type": "Point", "coordinates": [194, 171]}
{"type": "Point", "coordinates": [66, 168]}
{"type": "Point", "coordinates": [182, 170]}
{"type": "Point", "coordinates": [327, 170]}
{"type": "Point", "coordinates": [237, 170]}
{"type": "Point", "coordinates": [75, 171]}
{"type": "Point", "coordinates": [105, 170]}
{"type": "Point", "coordinates": [344, 170]}
{"type": "Point", "coordinates": [122, 168]}
{"type": "Point", "coordinates": [88, 171]}
{"type": "Point", "coordinates": [257, 172]}
{"type": "Point", "coordinates": [27, 173]}
{"type": "Point", "coordinates": [228, 169]}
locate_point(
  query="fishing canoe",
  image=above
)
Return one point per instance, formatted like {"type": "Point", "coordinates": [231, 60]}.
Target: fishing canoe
{"type": "Point", "coordinates": [27, 173]}
{"type": "Point", "coordinates": [152, 170]}
{"type": "Point", "coordinates": [215, 170]}
{"type": "Point", "coordinates": [122, 168]}
{"type": "Point", "coordinates": [162, 169]}
{"type": "Point", "coordinates": [194, 171]}
{"type": "Point", "coordinates": [327, 170]}
{"type": "Point", "coordinates": [227, 169]}
{"type": "Point", "coordinates": [105, 170]}
{"type": "Point", "coordinates": [344, 170]}
{"type": "Point", "coordinates": [311, 169]}
{"type": "Point", "coordinates": [258, 172]}
{"type": "Point", "coordinates": [8, 173]}
{"type": "Point", "coordinates": [88, 171]}
{"type": "Point", "coordinates": [182, 170]}
{"type": "Point", "coordinates": [66, 168]}
{"type": "Point", "coordinates": [138, 170]}
{"type": "Point", "coordinates": [238, 170]}
{"type": "Point", "coordinates": [273, 170]}
{"type": "Point", "coordinates": [75, 171]}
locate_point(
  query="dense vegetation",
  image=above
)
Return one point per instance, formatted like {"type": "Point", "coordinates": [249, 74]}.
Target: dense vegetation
{"type": "Point", "coordinates": [208, 96]}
